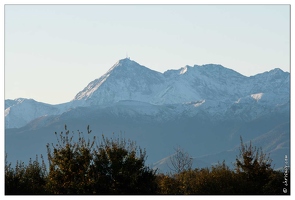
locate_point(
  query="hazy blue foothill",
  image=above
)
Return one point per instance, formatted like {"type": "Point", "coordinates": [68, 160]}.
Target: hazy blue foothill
{"type": "Point", "coordinates": [203, 109]}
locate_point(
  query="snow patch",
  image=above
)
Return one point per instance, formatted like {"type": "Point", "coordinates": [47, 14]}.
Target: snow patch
{"type": "Point", "coordinates": [257, 96]}
{"type": "Point", "coordinates": [91, 91]}
{"type": "Point", "coordinates": [197, 104]}
{"type": "Point", "coordinates": [6, 112]}
{"type": "Point", "coordinates": [183, 70]}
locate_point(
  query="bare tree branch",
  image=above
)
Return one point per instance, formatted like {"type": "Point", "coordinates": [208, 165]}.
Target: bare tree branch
{"type": "Point", "coordinates": [180, 161]}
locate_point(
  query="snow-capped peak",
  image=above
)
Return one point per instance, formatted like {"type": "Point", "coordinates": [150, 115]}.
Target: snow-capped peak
{"type": "Point", "coordinates": [126, 80]}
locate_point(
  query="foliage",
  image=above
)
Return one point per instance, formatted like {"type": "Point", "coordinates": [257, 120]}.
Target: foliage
{"type": "Point", "coordinates": [254, 167]}
{"type": "Point", "coordinates": [69, 164]}
{"type": "Point", "coordinates": [253, 175]}
{"type": "Point", "coordinates": [217, 180]}
{"type": "Point", "coordinates": [116, 166]}
{"type": "Point", "coordinates": [167, 184]}
{"type": "Point", "coordinates": [119, 167]}
{"type": "Point", "coordinates": [113, 167]}
{"type": "Point", "coordinates": [25, 179]}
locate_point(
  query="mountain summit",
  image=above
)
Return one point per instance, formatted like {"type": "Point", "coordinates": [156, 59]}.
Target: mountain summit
{"type": "Point", "coordinates": [126, 80]}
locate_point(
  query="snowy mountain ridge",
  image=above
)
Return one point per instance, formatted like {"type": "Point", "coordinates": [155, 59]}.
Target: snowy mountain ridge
{"type": "Point", "coordinates": [127, 80]}
{"type": "Point", "coordinates": [21, 111]}
{"type": "Point", "coordinates": [211, 89]}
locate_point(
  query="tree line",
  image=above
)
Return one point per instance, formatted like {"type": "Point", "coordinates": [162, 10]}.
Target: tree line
{"type": "Point", "coordinates": [116, 166]}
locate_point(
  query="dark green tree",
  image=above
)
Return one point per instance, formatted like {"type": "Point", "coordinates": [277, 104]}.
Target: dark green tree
{"type": "Point", "coordinates": [70, 163]}
{"type": "Point", "coordinates": [253, 166]}
{"type": "Point", "coordinates": [167, 184]}
{"type": "Point", "coordinates": [25, 179]}
{"type": "Point", "coordinates": [82, 166]}
{"type": "Point", "coordinates": [119, 168]}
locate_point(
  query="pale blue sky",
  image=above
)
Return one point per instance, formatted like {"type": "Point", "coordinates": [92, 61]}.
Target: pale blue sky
{"type": "Point", "coordinates": [53, 51]}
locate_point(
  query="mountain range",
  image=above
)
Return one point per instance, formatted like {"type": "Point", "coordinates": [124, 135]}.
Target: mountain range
{"type": "Point", "coordinates": [204, 109]}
